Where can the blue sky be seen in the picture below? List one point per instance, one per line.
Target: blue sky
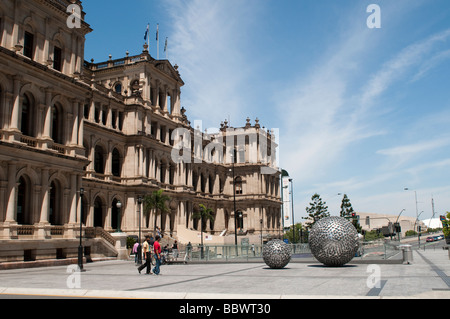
(360, 111)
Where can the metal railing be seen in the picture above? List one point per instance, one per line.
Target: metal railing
(242, 253)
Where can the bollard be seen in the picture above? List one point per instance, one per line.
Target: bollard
(407, 254)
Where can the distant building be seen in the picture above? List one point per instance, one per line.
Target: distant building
(370, 221)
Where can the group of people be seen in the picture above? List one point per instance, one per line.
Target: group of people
(151, 248)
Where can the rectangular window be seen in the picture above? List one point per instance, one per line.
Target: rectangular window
(104, 116)
(86, 111)
(57, 59)
(121, 118)
(28, 45)
(114, 119)
(97, 113)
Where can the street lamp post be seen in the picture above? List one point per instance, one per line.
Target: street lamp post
(417, 211)
(284, 174)
(234, 202)
(396, 223)
(139, 237)
(292, 204)
(80, 247)
(261, 223)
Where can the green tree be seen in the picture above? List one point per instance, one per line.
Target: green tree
(347, 212)
(204, 214)
(373, 235)
(446, 224)
(346, 208)
(300, 234)
(317, 210)
(156, 201)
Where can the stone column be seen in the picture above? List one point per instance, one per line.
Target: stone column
(47, 115)
(45, 196)
(73, 199)
(14, 124)
(176, 106)
(11, 193)
(74, 135)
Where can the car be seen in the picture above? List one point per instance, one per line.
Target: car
(430, 239)
(436, 238)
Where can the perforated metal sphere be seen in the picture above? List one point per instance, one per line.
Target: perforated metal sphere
(333, 241)
(277, 254)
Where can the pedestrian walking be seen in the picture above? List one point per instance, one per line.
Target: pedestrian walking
(187, 256)
(147, 255)
(175, 250)
(135, 252)
(157, 252)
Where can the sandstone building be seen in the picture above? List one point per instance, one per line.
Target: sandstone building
(110, 130)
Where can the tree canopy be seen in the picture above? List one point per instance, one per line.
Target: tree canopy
(317, 210)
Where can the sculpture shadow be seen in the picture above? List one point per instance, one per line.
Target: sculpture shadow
(276, 269)
(325, 266)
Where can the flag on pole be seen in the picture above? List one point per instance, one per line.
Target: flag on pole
(146, 32)
(157, 32)
(157, 41)
(165, 50)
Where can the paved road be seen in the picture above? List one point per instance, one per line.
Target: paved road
(425, 277)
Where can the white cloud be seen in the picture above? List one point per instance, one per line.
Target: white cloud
(207, 44)
(406, 151)
(430, 64)
(396, 68)
(316, 125)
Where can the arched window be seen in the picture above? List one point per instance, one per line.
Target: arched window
(171, 174)
(116, 164)
(98, 213)
(55, 216)
(84, 208)
(162, 172)
(28, 45)
(211, 184)
(240, 220)
(195, 180)
(57, 124)
(118, 88)
(116, 218)
(57, 58)
(99, 163)
(169, 103)
(26, 122)
(238, 185)
(23, 202)
(227, 219)
(203, 183)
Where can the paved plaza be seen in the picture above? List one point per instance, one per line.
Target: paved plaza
(426, 277)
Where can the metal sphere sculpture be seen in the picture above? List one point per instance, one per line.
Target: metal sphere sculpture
(277, 254)
(333, 241)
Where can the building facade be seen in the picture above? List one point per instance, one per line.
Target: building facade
(116, 131)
